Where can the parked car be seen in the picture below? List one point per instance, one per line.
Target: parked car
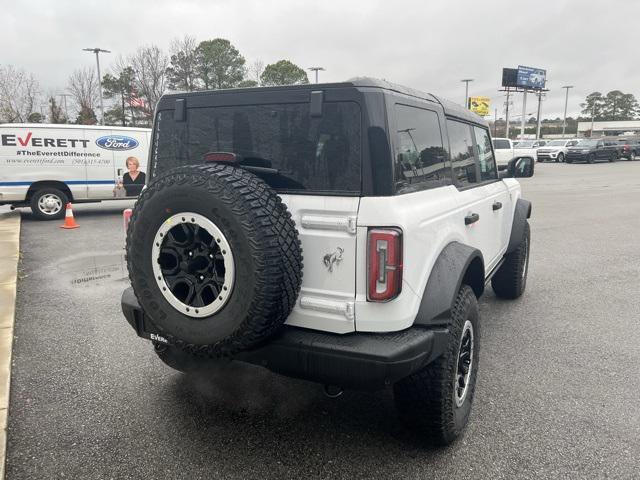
(630, 148)
(615, 145)
(506, 151)
(555, 150)
(358, 175)
(44, 166)
(529, 143)
(590, 151)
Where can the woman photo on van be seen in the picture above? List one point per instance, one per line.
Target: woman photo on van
(134, 179)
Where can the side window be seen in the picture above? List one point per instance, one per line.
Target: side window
(462, 158)
(488, 170)
(420, 156)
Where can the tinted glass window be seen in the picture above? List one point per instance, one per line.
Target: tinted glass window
(462, 157)
(488, 169)
(318, 154)
(420, 156)
(501, 144)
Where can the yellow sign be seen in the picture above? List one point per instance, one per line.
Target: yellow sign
(479, 105)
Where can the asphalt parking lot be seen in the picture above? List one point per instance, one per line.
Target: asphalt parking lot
(556, 398)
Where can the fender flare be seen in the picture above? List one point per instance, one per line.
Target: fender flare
(520, 215)
(456, 264)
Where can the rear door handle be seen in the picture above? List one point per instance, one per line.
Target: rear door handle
(471, 218)
(496, 206)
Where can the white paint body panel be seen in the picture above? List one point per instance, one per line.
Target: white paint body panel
(325, 224)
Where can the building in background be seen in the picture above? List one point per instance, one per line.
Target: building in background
(612, 128)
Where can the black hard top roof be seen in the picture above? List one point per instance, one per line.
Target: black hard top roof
(449, 107)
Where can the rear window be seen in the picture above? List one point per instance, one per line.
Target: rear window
(501, 144)
(312, 154)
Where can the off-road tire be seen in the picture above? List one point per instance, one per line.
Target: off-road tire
(266, 251)
(511, 279)
(426, 400)
(35, 199)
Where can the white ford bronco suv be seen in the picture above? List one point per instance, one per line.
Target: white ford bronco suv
(394, 197)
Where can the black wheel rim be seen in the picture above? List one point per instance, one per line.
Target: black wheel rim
(193, 264)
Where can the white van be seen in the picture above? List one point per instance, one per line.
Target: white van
(44, 166)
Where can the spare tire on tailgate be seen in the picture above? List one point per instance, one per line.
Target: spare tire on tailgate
(214, 258)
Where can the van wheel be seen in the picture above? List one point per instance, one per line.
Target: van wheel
(48, 204)
(436, 401)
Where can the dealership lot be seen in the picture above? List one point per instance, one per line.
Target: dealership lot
(556, 393)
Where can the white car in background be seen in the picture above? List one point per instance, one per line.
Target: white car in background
(505, 151)
(555, 150)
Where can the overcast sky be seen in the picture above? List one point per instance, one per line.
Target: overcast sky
(429, 45)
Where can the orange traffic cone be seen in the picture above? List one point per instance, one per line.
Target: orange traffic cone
(69, 221)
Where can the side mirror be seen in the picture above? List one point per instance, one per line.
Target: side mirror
(519, 167)
(523, 167)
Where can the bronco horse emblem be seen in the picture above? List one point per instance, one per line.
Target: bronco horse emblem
(331, 259)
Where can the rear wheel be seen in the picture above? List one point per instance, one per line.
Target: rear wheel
(48, 204)
(436, 401)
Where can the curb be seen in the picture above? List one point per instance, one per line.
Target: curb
(9, 258)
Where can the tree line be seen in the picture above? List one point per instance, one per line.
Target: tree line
(615, 105)
(136, 82)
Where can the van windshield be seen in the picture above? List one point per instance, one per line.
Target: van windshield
(295, 150)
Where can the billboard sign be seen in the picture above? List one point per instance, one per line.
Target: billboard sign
(479, 105)
(530, 77)
(509, 77)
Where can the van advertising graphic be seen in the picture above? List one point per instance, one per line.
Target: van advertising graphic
(93, 163)
(117, 142)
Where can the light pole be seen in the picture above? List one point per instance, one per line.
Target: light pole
(316, 69)
(538, 116)
(97, 51)
(566, 101)
(466, 91)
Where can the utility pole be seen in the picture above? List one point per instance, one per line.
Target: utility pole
(466, 91)
(593, 114)
(506, 132)
(97, 51)
(316, 69)
(495, 122)
(524, 114)
(538, 116)
(566, 101)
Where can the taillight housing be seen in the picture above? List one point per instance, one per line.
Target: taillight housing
(384, 264)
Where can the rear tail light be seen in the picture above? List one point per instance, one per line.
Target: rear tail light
(384, 274)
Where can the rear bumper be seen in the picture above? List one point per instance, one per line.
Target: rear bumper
(366, 361)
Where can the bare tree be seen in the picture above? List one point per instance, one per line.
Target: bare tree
(150, 67)
(83, 86)
(255, 70)
(182, 70)
(19, 94)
